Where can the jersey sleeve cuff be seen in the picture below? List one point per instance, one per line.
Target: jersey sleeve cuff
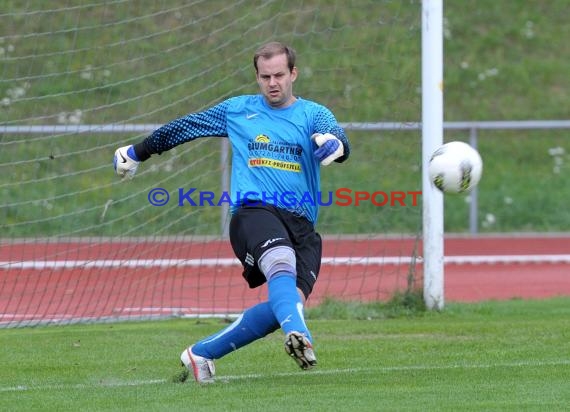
(141, 151)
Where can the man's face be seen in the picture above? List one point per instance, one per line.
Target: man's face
(276, 81)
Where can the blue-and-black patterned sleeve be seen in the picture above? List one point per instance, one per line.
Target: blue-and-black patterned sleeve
(210, 122)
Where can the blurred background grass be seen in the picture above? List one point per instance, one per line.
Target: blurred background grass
(129, 62)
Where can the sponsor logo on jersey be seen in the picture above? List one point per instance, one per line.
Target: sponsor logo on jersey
(263, 152)
(275, 164)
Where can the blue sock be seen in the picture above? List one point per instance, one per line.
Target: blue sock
(286, 303)
(255, 323)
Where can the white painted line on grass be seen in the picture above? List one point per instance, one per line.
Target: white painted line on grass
(115, 383)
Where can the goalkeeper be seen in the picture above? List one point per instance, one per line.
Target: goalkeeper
(278, 143)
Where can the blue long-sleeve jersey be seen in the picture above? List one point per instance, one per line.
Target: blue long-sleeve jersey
(272, 150)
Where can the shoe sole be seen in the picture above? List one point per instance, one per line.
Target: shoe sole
(297, 346)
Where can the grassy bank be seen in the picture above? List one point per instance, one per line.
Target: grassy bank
(126, 64)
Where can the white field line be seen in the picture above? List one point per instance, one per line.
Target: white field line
(114, 383)
(225, 262)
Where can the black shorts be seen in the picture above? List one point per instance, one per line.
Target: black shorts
(254, 227)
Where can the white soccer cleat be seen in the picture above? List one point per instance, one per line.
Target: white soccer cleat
(202, 368)
(300, 349)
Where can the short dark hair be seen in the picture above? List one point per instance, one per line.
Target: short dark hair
(274, 48)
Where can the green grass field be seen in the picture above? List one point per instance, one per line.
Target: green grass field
(493, 356)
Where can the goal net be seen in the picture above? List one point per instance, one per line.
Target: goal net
(80, 79)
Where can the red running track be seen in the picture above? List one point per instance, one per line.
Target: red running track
(73, 281)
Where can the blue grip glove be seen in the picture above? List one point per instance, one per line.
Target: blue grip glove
(329, 148)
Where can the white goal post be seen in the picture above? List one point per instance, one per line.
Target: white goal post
(432, 137)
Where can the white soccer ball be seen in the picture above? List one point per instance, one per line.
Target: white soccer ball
(455, 167)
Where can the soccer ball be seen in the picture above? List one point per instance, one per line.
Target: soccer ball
(455, 167)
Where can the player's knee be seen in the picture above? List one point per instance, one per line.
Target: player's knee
(278, 259)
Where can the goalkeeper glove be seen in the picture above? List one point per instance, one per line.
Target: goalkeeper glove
(329, 148)
(126, 162)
